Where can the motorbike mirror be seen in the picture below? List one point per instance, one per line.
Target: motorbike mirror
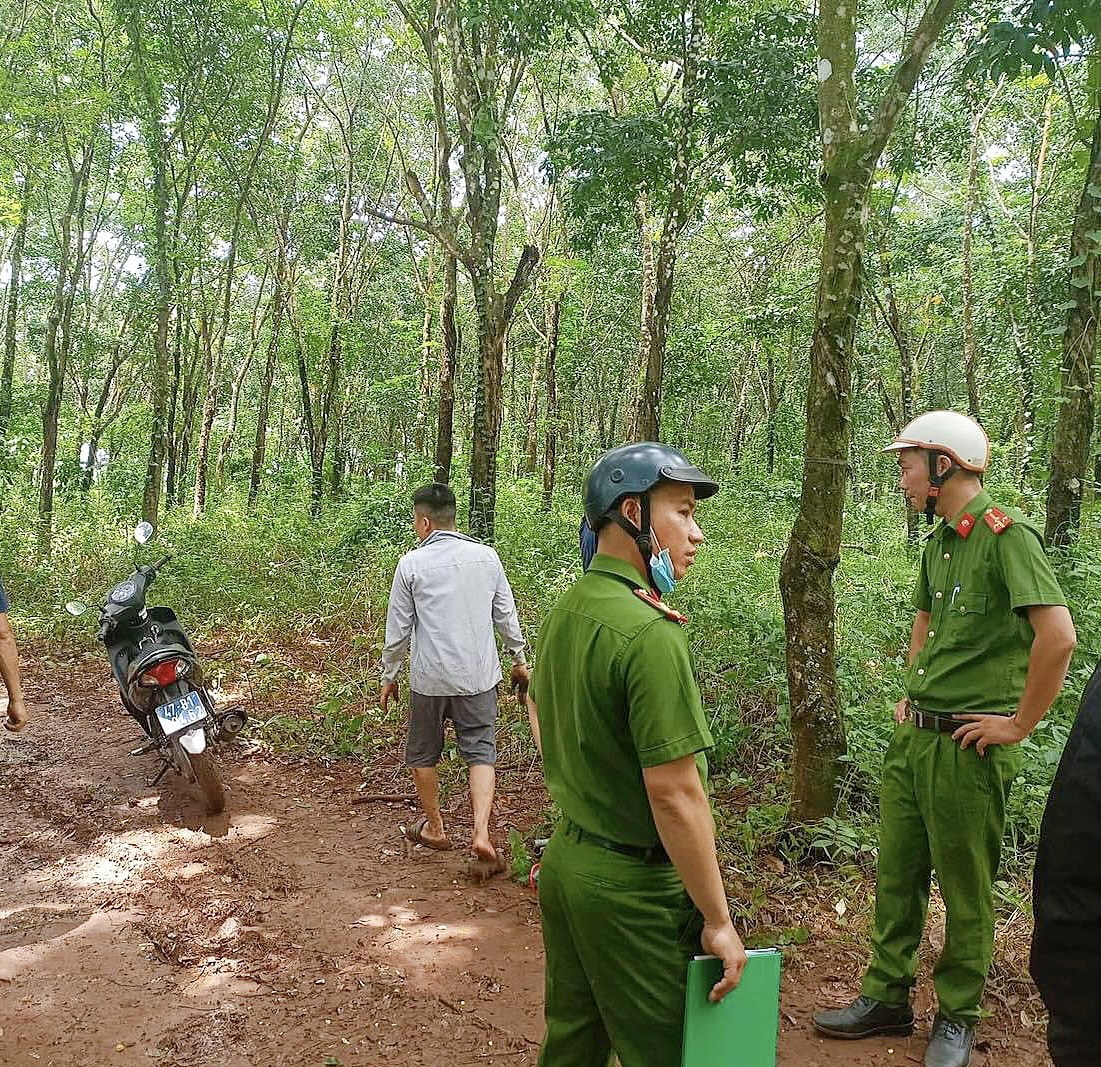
(75, 607)
(143, 533)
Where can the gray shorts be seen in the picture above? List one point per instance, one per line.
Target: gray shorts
(474, 719)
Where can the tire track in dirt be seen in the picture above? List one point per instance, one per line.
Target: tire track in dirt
(297, 928)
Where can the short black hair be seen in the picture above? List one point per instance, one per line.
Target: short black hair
(437, 502)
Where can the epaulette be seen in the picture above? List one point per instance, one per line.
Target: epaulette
(997, 520)
(655, 601)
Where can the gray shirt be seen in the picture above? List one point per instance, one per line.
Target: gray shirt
(448, 595)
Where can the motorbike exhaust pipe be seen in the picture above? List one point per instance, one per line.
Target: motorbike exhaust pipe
(230, 723)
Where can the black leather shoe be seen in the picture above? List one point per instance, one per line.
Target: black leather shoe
(950, 1045)
(865, 1017)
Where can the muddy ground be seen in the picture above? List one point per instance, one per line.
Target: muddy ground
(297, 928)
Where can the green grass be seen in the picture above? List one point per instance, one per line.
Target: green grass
(277, 575)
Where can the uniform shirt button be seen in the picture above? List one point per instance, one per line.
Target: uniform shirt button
(947, 555)
(939, 594)
(932, 633)
(921, 670)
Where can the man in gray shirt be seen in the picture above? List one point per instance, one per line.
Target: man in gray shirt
(448, 596)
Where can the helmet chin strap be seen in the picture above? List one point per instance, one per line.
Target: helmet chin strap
(936, 481)
(640, 535)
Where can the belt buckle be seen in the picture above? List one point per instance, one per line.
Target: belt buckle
(918, 717)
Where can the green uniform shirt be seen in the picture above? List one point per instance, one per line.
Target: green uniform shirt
(616, 692)
(976, 589)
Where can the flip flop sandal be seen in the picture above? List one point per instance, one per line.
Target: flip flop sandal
(414, 833)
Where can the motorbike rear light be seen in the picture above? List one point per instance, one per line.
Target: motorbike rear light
(163, 673)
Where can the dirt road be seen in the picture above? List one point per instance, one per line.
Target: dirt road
(295, 929)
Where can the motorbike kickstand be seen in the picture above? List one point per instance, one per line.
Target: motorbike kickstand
(165, 768)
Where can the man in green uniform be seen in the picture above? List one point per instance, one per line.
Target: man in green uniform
(989, 651)
(630, 887)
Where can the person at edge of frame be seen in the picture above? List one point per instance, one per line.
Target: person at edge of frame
(1066, 893)
(629, 886)
(17, 715)
(989, 650)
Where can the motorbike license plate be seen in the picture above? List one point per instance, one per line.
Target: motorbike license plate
(182, 713)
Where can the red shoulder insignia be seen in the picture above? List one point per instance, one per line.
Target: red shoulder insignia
(997, 520)
(655, 601)
(965, 525)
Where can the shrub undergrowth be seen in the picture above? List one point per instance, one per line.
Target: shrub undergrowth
(278, 573)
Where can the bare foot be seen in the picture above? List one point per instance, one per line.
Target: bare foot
(17, 717)
(482, 849)
(481, 868)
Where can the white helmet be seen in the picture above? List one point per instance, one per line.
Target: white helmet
(956, 435)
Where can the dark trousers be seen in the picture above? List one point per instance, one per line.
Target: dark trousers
(1066, 944)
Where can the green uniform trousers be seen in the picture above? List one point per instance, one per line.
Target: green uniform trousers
(941, 808)
(618, 934)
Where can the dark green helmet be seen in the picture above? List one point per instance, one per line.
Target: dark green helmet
(633, 469)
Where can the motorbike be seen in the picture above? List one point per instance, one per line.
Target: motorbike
(161, 682)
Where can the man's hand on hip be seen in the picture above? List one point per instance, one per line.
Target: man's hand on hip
(902, 710)
(723, 941)
(985, 730)
(518, 681)
(388, 692)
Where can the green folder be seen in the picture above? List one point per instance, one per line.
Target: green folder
(740, 1031)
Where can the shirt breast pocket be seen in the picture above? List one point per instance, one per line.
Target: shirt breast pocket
(968, 608)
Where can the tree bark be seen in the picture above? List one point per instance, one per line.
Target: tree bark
(531, 436)
(7, 371)
(424, 383)
(550, 442)
(970, 356)
(449, 367)
(486, 437)
(267, 374)
(850, 157)
(152, 123)
(1070, 452)
(212, 376)
(636, 429)
(172, 458)
(56, 342)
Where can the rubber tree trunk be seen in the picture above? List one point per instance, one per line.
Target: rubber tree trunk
(970, 351)
(550, 442)
(850, 158)
(56, 342)
(531, 437)
(648, 420)
(635, 430)
(212, 377)
(153, 129)
(267, 376)
(495, 312)
(7, 371)
(1070, 453)
(487, 413)
(449, 367)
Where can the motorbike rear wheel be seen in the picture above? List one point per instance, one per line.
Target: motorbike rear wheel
(210, 781)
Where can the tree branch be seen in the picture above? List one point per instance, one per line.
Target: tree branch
(529, 260)
(897, 94)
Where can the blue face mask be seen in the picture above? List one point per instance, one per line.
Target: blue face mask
(587, 539)
(661, 570)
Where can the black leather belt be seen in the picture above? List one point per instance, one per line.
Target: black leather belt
(654, 854)
(943, 722)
